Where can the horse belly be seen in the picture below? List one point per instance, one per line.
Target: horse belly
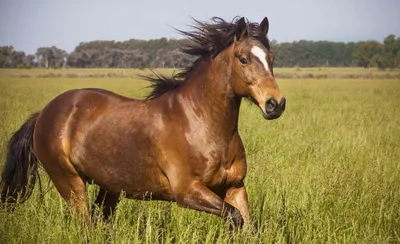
(122, 168)
(137, 180)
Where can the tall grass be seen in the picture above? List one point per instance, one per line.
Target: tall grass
(327, 171)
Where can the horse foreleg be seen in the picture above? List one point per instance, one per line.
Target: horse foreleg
(199, 197)
(107, 202)
(237, 197)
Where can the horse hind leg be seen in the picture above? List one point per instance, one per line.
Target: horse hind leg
(52, 146)
(70, 185)
(107, 202)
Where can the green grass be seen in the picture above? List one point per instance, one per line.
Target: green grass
(327, 171)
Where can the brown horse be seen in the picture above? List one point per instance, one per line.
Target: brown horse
(180, 144)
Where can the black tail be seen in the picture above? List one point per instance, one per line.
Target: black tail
(21, 168)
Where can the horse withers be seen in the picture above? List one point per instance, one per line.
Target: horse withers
(179, 144)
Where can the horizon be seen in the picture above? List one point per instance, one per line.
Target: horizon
(26, 26)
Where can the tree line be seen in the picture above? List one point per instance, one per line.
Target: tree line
(164, 53)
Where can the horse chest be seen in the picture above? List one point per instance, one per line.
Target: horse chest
(226, 167)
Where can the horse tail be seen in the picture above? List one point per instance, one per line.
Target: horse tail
(21, 168)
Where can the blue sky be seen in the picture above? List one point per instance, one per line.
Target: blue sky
(29, 24)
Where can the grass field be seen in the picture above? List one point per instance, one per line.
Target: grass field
(327, 171)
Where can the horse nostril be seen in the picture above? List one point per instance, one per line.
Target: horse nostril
(283, 104)
(270, 105)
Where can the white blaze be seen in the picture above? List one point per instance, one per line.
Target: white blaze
(261, 55)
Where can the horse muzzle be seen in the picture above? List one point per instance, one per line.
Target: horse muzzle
(273, 109)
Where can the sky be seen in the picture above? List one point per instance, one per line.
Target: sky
(29, 24)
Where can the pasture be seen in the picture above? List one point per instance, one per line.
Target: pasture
(327, 171)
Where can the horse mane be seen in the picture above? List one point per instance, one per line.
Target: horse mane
(206, 41)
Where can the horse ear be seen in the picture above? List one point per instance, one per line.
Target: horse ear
(264, 26)
(241, 29)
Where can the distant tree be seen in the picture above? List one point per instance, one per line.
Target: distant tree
(5, 55)
(365, 51)
(391, 47)
(43, 55)
(29, 61)
(348, 54)
(51, 57)
(17, 59)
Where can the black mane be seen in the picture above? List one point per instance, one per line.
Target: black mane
(206, 41)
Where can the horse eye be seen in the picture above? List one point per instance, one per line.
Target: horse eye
(243, 60)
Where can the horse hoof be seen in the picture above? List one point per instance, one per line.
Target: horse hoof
(237, 220)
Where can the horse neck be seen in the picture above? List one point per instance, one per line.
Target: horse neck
(209, 94)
